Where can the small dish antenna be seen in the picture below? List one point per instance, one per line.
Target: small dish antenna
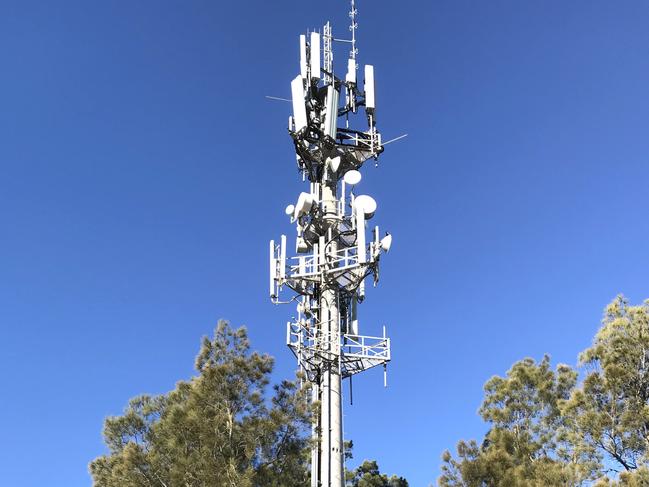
(366, 204)
(386, 242)
(352, 177)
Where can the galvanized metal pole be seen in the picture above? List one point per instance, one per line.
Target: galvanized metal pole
(334, 257)
(331, 415)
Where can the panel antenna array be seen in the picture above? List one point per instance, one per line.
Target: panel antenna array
(334, 256)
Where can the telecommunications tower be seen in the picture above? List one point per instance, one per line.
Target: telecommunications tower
(334, 254)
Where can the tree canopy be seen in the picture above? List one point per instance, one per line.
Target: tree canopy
(215, 429)
(368, 474)
(218, 429)
(547, 429)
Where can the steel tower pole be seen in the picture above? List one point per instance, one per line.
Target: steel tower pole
(334, 256)
(315, 437)
(331, 406)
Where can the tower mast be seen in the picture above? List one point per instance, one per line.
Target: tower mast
(334, 257)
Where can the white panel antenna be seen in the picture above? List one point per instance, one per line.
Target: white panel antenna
(299, 107)
(370, 101)
(282, 259)
(351, 71)
(273, 270)
(354, 317)
(332, 111)
(315, 55)
(303, 60)
(361, 251)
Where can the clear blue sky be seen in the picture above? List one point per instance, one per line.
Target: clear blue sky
(143, 174)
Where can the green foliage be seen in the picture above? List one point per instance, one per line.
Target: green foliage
(547, 431)
(213, 430)
(524, 446)
(368, 475)
(633, 478)
(609, 413)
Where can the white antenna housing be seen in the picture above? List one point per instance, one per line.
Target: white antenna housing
(361, 251)
(273, 270)
(332, 111)
(299, 108)
(303, 205)
(370, 100)
(350, 77)
(303, 60)
(315, 55)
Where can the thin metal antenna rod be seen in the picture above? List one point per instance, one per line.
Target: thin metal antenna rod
(334, 251)
(277, 98)
(354, 25)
